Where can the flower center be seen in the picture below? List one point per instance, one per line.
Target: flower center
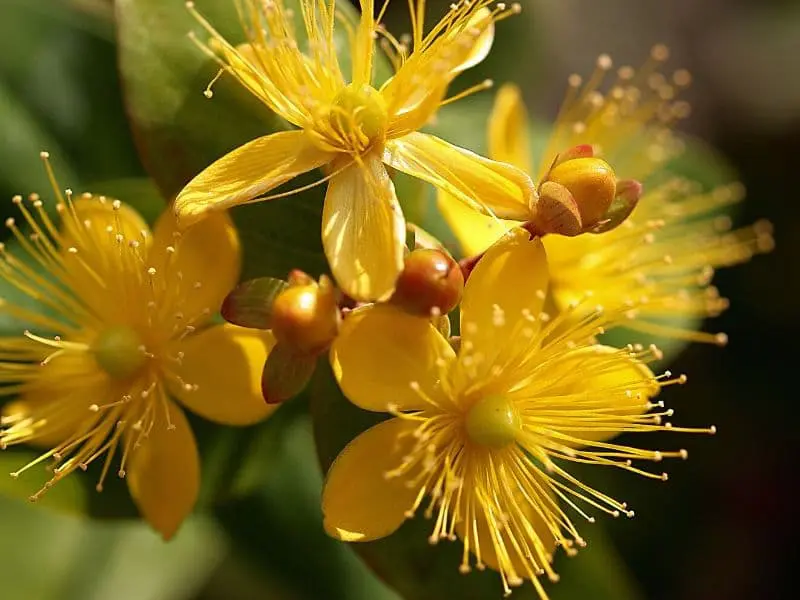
(493, 421)
(359, 112)
(119, 351)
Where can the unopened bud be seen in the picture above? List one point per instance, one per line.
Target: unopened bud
(579, 151)
(629, 191)
(306, 317)
(591, 182)
(431, 283)
(556, 212)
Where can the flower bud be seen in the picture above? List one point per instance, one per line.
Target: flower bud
(431, 283)
(592, 184)
(306, 317)
(629, 191)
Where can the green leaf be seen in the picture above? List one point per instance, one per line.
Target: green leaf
(250, 303)
(279, 527)
(48, 556)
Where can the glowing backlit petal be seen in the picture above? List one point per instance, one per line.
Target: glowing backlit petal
(508, 129)
(164, 473)
(474, 231)
(363, 230)
(219, 377)
(208, 257)
(381, 336)
(486, 185)
(505, 292)
(247, 172)
(359, 503)
(477, 49)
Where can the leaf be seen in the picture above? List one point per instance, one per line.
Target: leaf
(286, 374)
(48, 556)
(279, 526)
(250, 303)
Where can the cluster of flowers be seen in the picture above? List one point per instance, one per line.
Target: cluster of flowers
(483, 424)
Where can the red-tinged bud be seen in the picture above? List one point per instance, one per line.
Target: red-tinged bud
(431, 283)
(629, 191)
(306, 318)
(579, 151)
(592, 184)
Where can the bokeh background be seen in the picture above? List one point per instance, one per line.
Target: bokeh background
(724, 526)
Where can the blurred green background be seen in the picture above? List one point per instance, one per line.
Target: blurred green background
(720, 529)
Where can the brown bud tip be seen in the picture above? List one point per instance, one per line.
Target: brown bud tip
(306, 318)
(592, 183)
(579, 151)
(556, 212)
(431, 283)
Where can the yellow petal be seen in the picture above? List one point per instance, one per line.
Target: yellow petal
(621, 387)
(474, 231)
(363, 231)
(208, 255)
(164, 473)
(469, 55)
(483, 184)
(380, 352)
(508, 129)
(225, 363)
(247, 172)
(94, 230)
(359, 503)
(364, 46)
(509, 283)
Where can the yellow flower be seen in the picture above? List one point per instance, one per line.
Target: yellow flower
(663, 257)
(352, 130)
(482, 436)
(125, 330)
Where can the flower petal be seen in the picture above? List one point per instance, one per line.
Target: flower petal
(363, 231)
(508, 129)
(608, 383)
(247, 172)
(208, 257)
(381, 351)
(485, 185)
(225, 363)
(359, 503)
(468, 55)
(164, 473)
(474, 231)
(508, 284)
(91, 237)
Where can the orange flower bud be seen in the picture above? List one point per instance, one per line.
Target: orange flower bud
(431, 283)
(592, 184)
(306, 317)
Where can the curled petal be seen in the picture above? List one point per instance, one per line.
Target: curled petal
(485, 185)
(247, 172)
